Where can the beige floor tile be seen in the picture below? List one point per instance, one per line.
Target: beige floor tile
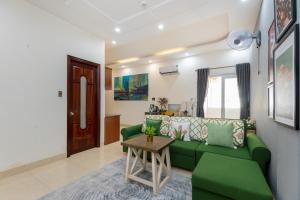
(25, 188)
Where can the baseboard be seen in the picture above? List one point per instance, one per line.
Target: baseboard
(23, 168)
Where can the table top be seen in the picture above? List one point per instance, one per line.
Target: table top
(140, 142)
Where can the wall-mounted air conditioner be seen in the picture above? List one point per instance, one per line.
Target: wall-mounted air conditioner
(168, 70)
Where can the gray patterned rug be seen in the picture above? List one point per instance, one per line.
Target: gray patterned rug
(108, 183)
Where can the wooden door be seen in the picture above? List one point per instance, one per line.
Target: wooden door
(83, 105)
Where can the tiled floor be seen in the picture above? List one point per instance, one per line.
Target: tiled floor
(42, 180)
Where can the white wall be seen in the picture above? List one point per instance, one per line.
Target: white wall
(283, 142)
(177, 88)
(34, 46)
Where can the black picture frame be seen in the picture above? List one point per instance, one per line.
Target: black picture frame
(292, 12)
(294, 123)
(271, 47)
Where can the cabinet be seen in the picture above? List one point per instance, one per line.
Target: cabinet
(112, 129)
(108, 78)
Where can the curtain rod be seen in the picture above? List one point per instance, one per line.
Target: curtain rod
(217, 67)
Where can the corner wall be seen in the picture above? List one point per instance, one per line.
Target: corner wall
(283, 142)
(177, 88)
(34, 46)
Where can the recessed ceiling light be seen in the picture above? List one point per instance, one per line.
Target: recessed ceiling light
(243, 0)
(187, 54)
(169, 51)
(123, 66)
(114, 42)
(160, 26)
(150, 61)
(117, 30)
(128, 60)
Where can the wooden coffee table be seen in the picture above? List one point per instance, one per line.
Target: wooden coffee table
(139, 147)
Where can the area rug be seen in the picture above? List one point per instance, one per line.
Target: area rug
(108, 183)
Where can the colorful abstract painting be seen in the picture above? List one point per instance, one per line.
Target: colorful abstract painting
(131, 87)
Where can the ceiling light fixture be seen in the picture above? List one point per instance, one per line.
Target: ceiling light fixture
(128, 60)
(117, 30)
(160, 26)
(187, 54)
(123, 66)
(114, 42)
(169, 51)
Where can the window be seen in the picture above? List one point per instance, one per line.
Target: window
(222, 99)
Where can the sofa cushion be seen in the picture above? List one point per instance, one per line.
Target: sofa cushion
(231, 177)
(155, 123)
(240, 152)
(220, 135)
(184, 148)
(196, 126)
(238, 129)
(164, 128)
(183, 128)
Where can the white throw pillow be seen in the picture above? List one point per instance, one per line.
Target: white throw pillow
(183, 126)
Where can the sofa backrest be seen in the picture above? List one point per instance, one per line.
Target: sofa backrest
(198, 127)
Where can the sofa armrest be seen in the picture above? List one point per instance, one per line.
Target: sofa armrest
(259, 151)
(130, 131)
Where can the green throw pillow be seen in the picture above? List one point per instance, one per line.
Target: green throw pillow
(154, 123)
(220, 134)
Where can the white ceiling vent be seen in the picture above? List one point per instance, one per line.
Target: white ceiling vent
(168, 70)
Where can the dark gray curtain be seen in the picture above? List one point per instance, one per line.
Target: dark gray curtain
(243, 79)
(202, 77)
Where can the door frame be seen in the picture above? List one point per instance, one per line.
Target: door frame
(69, 98)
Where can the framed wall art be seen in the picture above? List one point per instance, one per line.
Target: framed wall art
(286, 79)
(285, 16)
(271, 46)
(131, 87)
(271, 101)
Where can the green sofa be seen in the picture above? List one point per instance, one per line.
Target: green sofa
(187, 154)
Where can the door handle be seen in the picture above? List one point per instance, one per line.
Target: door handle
(71, 114)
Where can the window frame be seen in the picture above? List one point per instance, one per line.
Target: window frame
(223, 78)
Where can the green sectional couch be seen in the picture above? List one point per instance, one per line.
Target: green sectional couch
(187, 154)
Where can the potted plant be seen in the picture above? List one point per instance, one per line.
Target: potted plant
(251, 126)
(150, 132)
(163, 103)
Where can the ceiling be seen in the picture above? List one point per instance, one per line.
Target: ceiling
(189, 24)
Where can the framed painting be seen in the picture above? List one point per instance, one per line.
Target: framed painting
(285, 16)
(131, 87)
(271, 101)
(286, 79)
(271, 46)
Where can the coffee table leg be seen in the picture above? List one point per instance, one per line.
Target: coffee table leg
(154, 172)
(144, 159)
(129, 154)
(168, 162)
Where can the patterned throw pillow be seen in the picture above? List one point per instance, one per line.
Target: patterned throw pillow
(238, 129)
(183, 127)
(164, 127)
(196, 126)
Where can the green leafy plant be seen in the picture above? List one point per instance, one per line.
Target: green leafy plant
(178, 134)
(250, 124)
(150, 131)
